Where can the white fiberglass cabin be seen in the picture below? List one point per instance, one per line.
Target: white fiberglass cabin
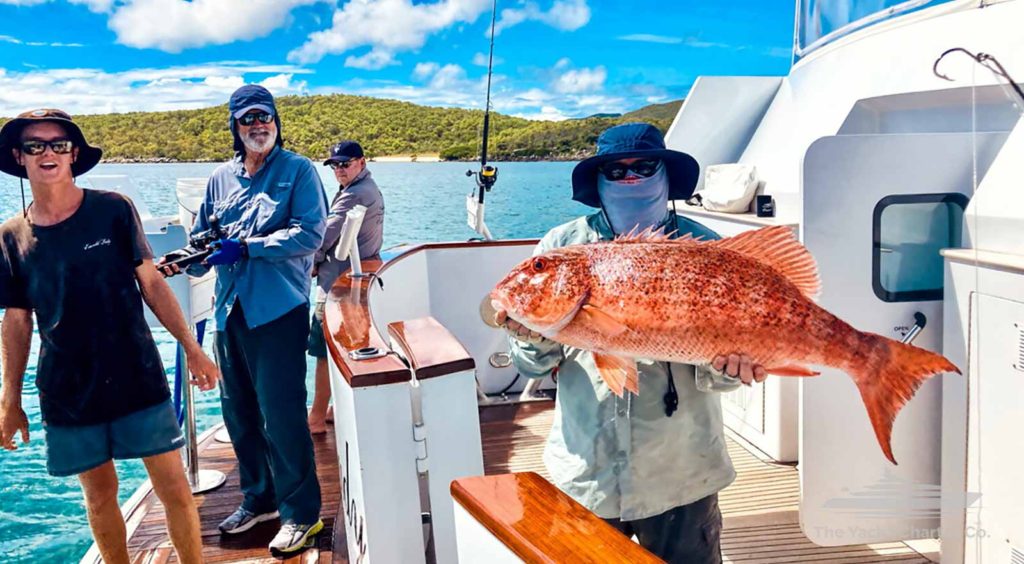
(907, 190)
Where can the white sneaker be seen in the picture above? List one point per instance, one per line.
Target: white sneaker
(293, 537)
(242, 520)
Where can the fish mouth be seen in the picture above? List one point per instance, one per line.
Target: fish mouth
(489, 312)
(491, 309)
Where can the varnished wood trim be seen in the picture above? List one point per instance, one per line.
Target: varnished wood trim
(430, 348)
(539, 523)
(348, 324)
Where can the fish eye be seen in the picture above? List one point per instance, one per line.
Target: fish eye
(539, 264)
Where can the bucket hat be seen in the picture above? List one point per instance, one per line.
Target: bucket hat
(10, 138)
(630, 141)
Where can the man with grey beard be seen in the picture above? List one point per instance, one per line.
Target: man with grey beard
(271, 208)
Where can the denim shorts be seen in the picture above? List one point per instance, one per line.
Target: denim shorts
(316, 345)
(147, 432)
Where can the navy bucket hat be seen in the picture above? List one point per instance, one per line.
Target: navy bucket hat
(10, 138)
(634, 141)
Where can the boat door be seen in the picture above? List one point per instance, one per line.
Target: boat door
(877, 209)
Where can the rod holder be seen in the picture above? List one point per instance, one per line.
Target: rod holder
(199, 481)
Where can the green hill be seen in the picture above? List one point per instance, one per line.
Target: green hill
(384, 127)
(656, 113)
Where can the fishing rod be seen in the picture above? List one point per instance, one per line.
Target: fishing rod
(488, 174)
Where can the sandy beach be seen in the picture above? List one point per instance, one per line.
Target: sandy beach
(424, 158)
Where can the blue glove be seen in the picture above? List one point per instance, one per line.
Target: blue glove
(227, 251)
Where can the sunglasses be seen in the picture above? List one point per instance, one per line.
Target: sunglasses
(344, 165)
(59, 146)
(249, 119)
(617, 170)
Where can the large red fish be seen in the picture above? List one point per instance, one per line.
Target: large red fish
(649, 297)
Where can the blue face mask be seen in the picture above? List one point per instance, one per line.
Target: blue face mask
(635, 202)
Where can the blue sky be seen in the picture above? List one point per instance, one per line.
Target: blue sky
(556, 59)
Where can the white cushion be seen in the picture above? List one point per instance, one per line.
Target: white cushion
(729, 188)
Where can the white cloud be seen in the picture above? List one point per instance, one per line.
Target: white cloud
(389, 26)
(279, 83)
(425, 70)
(449, 86)
(98, 6)
(576, 81)
(16, 41)
(393, 26)
(376, 59)
(480, 60)
(566, 15)
(224, 82)
(650, 38)
(91, 91)
(449, 76)
(546, 113)
(175, 25)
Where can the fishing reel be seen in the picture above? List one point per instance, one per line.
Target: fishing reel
(486, 177)
(199, 246)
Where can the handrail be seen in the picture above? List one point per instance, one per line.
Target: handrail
(539, 523)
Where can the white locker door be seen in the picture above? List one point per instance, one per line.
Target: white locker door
(850, 493)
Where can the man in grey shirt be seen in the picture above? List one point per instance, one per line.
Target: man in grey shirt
(355, 188)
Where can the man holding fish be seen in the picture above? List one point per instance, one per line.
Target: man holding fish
(651, 464)
(647, 313)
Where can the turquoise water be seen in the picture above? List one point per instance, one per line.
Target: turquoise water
(43, 518)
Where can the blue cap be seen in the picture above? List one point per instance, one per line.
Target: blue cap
(251, 97)
(344, 151)
(634, 140)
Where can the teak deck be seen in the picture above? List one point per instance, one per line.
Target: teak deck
(760, 508)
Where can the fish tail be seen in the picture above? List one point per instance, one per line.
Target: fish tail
(887, 373)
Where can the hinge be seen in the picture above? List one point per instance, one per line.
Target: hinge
(419, 436)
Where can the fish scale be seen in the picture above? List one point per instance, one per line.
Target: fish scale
(647, 296)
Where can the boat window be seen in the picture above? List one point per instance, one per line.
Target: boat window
(909, 231)
(820, 22)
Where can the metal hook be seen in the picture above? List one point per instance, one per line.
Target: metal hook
(985, 60)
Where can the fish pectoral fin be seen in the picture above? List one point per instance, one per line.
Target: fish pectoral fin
(602, 321)
(791, 370)
(618, 373)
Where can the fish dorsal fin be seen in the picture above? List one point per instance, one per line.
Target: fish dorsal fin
(652, 235)
(778, 248)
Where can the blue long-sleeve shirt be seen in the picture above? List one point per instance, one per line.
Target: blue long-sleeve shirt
(281, 212)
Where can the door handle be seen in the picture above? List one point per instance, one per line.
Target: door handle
(919, 322)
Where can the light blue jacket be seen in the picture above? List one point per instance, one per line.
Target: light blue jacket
(281, 212)
(623, 457)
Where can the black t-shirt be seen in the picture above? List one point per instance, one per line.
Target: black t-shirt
(98, 360)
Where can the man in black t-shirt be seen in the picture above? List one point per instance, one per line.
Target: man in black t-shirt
(80, 261)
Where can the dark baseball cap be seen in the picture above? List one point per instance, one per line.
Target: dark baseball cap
(343, 152)
(251, 97)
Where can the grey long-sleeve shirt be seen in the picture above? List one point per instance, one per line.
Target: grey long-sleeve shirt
(363, 191)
